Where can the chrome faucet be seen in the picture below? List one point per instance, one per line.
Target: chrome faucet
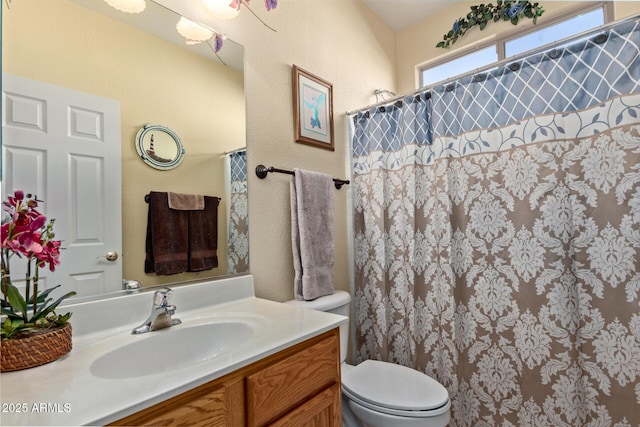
(161, 313)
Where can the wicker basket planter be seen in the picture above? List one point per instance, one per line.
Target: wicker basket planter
(35, 349)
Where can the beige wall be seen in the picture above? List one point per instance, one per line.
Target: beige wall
(58, 42)
(342, 42)
(346, 44)
(429, 32)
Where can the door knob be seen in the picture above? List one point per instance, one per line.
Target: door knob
(111, 256)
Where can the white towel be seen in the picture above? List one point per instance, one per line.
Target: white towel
(312, 235)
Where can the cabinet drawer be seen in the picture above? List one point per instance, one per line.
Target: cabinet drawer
(322, 410)
(211, 405)
(281, 386)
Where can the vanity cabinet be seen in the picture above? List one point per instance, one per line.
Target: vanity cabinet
(298, 386)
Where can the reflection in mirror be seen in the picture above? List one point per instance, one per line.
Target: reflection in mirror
(237, 215)
(141, 65)
(159, 147)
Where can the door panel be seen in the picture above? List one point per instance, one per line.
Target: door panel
(64, 146)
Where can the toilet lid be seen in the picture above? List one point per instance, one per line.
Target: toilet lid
(395, 387)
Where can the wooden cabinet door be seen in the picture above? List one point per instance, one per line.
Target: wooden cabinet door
(284, 385)
(211, 405)
(324, 410)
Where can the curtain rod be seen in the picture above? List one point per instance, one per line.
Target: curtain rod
(262, 171)
(499, 64)
(237, 150)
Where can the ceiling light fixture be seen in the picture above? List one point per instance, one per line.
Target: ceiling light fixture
(222, 9)
(129, 6)
(192, 32)
(229, 9)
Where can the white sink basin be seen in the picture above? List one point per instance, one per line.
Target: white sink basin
(172, 348)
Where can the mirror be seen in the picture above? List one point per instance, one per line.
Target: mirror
(141, 62)
(159, 147)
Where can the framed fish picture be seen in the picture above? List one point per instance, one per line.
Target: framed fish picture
(313, 109)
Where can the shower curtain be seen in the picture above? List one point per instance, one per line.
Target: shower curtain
(238, 223)
(497, 236)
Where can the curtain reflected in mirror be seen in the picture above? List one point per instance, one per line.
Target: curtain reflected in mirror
(237, 218)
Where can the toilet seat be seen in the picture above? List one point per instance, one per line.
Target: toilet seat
(395, 390)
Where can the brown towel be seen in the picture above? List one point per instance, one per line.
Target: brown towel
(186, 202)
(203, 236)
(167, 243)
(181, 240)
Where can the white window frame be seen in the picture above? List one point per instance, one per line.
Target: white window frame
(502, 38)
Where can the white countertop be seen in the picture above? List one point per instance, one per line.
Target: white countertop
(67, 393)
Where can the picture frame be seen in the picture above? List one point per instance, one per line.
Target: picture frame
(313, 109)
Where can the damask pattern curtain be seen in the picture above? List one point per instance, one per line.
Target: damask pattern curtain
(238, 232)
(497, 237)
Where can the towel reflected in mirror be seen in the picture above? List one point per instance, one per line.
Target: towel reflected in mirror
(181, 239)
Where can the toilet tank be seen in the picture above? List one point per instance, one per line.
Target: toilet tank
(336, 303)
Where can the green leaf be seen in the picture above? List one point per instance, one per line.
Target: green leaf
(10, 313)
(16, 301)
(43, 295)
(64, 319)
(12, 327)
(37, 313)
(482, 14)
(53, 306)
(18, 324)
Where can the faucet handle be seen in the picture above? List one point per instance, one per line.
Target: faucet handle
(161, 297)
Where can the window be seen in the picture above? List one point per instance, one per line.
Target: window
(551, 33)
(479, 58)
(516, 44)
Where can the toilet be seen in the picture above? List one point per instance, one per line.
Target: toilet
(382, 394)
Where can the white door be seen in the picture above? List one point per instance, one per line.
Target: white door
(64, 146)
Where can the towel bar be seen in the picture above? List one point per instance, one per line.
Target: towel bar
(262, 171)
(147, 198)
